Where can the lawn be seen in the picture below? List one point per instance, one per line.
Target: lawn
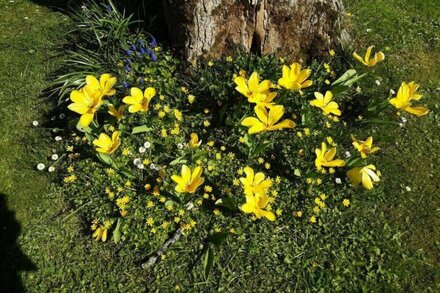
(50, 251)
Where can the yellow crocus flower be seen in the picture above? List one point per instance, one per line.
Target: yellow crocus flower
(326, 104)
(104, 85)
(256, 204)
(294, 78)
(188, 181)
(255, 91)
(324, 158)
(405, 94)
(413, 87)
(365, 148)
(117, 113)
(139, 101)
(85, 102)
(106, 144)
(254, 183)
(266, 121)
(367, 61)
(194, 140)
(364, 175)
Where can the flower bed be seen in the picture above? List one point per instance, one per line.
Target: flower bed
(154, 152)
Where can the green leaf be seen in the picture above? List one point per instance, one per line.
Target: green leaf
(199, 154)
(83, 129)
(117, 231)
(260, 148)
(89, 137)
(352, 162)
(378, 121)
(218, 238)
(127, 172)
(178, 161)
(349, 78)
(227, 202)
(344, 77)
(141, 129)
(208, 262)
(104, 158)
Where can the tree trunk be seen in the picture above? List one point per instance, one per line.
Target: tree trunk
(289, 28)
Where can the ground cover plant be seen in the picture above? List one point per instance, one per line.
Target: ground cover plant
(358, 249)
(155, 154)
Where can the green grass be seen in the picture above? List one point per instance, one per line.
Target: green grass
(409, 33)
(403, 224)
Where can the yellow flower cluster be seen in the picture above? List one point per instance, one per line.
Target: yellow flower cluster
(267, 112)
(88, 99)
(255, 189)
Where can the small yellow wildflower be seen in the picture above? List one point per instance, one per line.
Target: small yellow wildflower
(346, 202)
(298, 214)
(178, 115)
(191, 99)
(70, 179)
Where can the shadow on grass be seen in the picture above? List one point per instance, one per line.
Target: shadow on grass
(12, 259)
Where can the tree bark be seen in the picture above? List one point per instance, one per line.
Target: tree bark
(289, 28)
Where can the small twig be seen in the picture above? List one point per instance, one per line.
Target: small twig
(153, 259)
